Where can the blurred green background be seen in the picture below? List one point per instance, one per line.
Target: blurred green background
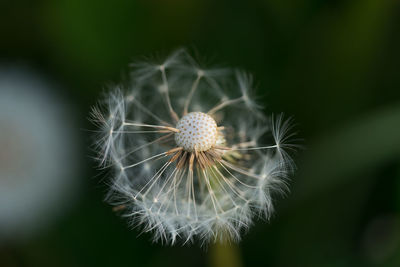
(332, 65)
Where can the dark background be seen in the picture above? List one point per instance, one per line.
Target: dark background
(332, 65)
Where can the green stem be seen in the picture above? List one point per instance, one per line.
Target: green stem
(224, 254)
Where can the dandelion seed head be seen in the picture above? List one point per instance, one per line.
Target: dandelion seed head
(197, 132)
(188, 153)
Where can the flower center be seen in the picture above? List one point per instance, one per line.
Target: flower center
(197, 132)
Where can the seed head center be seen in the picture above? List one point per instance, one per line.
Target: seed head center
(197, 132)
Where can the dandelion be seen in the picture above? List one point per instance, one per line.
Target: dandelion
(185, 151)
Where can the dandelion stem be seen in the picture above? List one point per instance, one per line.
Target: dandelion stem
(224, 254)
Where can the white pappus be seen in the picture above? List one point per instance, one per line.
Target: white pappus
(184, 145)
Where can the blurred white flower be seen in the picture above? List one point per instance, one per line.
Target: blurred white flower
(36, 142)
(183, 142)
